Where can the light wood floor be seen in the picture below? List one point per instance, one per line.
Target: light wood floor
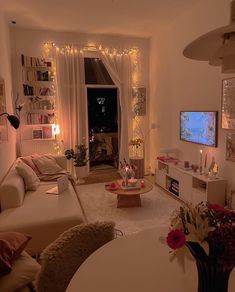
(102, 175)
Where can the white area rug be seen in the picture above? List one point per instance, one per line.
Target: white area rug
(100, 204)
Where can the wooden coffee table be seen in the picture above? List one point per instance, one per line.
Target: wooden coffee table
(130, 198)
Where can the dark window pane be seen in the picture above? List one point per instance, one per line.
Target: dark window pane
(96, 73)
(102, 110)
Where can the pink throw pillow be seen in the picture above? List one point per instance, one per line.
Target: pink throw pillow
(11, 246)
(28, 160)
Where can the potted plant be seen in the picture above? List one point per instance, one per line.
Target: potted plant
(80, 159)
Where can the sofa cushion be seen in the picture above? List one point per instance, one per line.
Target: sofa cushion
(43, 216)
(11, 246)
(29, 176)
(28, 160)
(61, 161)
(12, 191)
(46, 164)
(23, 272)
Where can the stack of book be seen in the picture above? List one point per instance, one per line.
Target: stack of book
(174, 187)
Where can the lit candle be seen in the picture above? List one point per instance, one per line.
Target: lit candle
(205, 161)
(200, 167)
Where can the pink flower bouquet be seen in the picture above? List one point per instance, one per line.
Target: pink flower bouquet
(194, 227)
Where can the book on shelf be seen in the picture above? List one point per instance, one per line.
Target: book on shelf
(40, 104)
(37, 90)
(45, 91)
(27, 61)
(174, 191)
(32, 76)
(36, 118)
(28, 90)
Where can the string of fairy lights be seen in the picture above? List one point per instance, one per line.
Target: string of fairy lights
(133, 52)
(80, 49)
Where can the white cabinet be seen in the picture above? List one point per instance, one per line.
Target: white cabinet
(185, 186)
(189, 186)
(198, 196)
(161, 178)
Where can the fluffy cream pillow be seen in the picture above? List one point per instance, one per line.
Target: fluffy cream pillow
(29, 176)
(46, 164)
(24, 271)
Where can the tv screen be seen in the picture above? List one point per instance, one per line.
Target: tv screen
(199, 127)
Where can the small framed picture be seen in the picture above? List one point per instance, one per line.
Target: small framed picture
(47, 132)
(139, 95)
(230, 147)
(228, 103)
(37, 133)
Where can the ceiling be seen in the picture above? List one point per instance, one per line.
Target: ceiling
(119, 17)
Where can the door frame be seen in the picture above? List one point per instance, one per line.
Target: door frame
(118, 112)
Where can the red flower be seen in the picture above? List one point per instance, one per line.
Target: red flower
(218, 208)
(176, 239)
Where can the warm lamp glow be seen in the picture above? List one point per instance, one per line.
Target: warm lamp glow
(55, 129)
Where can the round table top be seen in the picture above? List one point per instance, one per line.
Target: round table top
(147, 187)
(136, 263)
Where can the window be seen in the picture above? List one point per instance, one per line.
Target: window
(96, 73)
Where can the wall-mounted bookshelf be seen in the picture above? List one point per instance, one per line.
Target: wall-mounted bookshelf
(38, 93)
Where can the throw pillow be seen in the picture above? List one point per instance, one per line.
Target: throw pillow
(47, 164)
(29, 176)
(23, 272)
(28, 160)
(11, 246)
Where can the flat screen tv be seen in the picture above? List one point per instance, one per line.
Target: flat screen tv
(199, 127)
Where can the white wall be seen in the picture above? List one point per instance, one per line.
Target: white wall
(178, 83)
(7, 149)
(30, 42)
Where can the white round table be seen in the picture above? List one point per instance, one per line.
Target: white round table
(136, 263)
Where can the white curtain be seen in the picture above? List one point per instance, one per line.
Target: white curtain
(120, 70)
(71, 98)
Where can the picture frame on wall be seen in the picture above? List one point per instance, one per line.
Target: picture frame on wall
(228, 104)
(37, 133)
(139, 95)
(47, 132)
(230, 147)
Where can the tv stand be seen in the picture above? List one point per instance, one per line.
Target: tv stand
(189, 186)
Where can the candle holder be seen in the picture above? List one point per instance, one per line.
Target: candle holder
(127, 171)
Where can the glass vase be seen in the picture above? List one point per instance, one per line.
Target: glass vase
(212, 277)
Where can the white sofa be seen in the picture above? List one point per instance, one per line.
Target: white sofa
(43, 216)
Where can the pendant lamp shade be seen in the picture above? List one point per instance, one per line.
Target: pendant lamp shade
(217, 47)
